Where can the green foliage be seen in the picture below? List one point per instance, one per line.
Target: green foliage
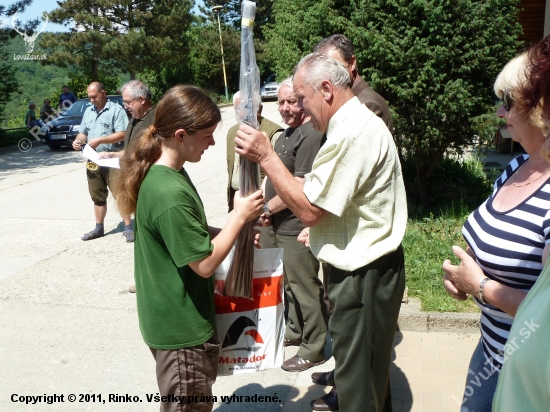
(79, 81)
(297, 28)
(460, 187)
(435, 61)
(9, 84)
(113, 36)
(231, 13)
(427, 243)
(12, 137)
(35, 83)
(205, 61)
(457, 184)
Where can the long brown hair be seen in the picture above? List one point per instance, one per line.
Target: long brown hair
(182, 107)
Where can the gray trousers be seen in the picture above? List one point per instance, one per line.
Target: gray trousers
(365, 305)
(307, 316)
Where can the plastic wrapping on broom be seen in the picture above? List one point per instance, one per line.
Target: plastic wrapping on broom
(239, 278)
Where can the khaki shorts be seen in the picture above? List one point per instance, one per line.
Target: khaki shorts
(185, 376)
(99, 182)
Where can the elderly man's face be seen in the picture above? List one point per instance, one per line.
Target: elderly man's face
(292, 114)
(134, 106)
(310, 100)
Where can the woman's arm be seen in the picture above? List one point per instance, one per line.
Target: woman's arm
(467, 276)
(246, 209)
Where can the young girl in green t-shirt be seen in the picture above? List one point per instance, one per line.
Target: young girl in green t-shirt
(175, 251)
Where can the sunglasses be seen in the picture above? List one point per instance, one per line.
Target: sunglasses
(507, 101)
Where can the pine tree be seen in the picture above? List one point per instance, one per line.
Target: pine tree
(117, 35)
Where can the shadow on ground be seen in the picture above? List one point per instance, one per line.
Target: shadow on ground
(402, 397)
(237, 401)
(40, 156)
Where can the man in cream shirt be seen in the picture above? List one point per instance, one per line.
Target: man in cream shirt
(354, 202)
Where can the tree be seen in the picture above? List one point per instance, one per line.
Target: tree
(289, 39)
(205, 64)
(435, 61)
(231, 13)
(9, 85)
(202, 66)
(117, 35)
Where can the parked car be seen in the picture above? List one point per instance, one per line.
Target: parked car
(62, 130)
(269, 88)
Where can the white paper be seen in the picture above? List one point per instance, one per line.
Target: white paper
(92, 155)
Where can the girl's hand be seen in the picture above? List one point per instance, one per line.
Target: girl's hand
(303, 237)
(249, 207)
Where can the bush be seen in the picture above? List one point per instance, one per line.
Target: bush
(461, 186)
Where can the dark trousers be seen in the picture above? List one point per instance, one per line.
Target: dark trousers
(365, 305)
(267, 237)
(307, 316)
(187, 372)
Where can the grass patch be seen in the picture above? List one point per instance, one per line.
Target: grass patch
(11, 137)
(459, 188)
(427, 243)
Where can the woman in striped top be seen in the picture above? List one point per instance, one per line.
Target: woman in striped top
(508, 238)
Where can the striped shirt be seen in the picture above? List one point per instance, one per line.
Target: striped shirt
(508, 247)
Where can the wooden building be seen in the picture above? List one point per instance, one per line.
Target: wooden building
(534, 17)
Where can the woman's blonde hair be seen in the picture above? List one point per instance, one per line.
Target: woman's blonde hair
(512, 80)
(182, 107)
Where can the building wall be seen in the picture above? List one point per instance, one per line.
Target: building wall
(532, 17)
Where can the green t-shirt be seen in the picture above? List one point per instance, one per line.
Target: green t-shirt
(175, 305)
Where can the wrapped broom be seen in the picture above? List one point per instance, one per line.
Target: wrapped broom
(239, 278)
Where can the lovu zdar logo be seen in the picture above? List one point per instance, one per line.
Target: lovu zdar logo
(242, 326)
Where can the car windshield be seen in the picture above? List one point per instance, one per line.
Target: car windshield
(77, 108)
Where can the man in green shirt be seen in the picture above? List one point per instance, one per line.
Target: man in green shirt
(273, 131)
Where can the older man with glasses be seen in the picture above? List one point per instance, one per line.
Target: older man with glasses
(307, 317)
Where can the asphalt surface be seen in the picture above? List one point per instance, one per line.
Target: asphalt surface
(68, 324)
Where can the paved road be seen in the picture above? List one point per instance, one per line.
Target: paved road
(67, 322)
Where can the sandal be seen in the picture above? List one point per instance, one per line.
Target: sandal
(129, 236)
(92, 235)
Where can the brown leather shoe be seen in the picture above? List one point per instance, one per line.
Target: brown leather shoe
(328, 402)
(289, 342)
(298, 364)
(323, 378)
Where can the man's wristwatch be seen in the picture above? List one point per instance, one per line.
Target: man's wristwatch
(267, 213)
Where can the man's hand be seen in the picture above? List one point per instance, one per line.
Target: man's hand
(94, 142)
(264, 221)
(253, 144)
(303, 237)
(257, 236)
(77, 144)
(110, 155)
